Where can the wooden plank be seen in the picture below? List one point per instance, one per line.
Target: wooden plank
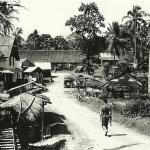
(18, 87)
(7, 141)
(26, 87)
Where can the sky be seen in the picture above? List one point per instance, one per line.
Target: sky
(49, 16)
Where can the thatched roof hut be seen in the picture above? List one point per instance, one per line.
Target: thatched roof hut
(26, 105)
(26, 110)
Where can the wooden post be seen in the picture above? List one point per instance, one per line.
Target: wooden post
(42, 132)
(13, 132)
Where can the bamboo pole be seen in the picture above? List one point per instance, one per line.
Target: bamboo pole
(42, 132)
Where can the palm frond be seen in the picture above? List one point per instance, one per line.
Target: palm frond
(126, 17)
(130, 13)
(2, 16)
(141, 20)
(137, 7)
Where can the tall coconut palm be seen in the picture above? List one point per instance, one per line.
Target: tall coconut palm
(117, 42)
(134, 22)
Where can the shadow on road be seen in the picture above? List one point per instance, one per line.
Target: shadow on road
(118, 134)
(123, 146)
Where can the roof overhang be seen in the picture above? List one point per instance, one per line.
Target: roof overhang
(108, 56)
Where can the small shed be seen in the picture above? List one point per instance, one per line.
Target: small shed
(46, 68)
(124, 84)
(34, 73)
(30, 113)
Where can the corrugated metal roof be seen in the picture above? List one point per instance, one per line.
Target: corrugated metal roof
(43, 65)
(125, 79)
(54, 56)
(31, 69)
(108, 56)
(7, 71)
(6, 43)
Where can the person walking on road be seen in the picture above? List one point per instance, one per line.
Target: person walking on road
(106, 115)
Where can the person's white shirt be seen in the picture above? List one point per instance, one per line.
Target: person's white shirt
(29, 78)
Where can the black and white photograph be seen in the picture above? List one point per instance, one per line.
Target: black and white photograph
(74, 75)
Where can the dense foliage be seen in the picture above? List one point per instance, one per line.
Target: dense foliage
(35, 41)
(128, 40)
(132, 107)
(88, 25)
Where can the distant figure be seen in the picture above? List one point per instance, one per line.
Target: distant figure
(30, 78)
(55, 69)
(105, 115)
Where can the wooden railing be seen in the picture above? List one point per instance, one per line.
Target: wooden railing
(21, 89)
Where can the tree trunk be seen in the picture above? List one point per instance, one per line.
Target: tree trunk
(135, 51)
(141, 51)
(114, 58)
(88, 64)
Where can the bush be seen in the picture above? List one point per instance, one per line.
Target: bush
(132, 108)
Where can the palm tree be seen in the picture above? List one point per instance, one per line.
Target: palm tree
(7, 15)
(134, 22)
(117, 42)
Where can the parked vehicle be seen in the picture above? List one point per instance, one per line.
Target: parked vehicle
(69, 82)
(80, 82)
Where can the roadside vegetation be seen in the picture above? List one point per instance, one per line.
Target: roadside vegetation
(129, 41)
(125, 112)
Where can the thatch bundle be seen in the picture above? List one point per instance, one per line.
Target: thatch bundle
(26, 105)
(4, 97)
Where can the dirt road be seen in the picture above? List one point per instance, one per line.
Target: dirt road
(85, 125)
